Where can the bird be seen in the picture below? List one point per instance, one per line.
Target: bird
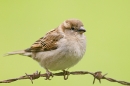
(59, 49)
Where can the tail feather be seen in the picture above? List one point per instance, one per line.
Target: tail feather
(20, 52)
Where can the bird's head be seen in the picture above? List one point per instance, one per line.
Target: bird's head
(72, 27)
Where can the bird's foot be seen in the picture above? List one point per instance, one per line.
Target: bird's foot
(48, 74)
(66, 74)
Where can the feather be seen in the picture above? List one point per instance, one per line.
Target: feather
(19, 52)
(15, 52)
(49, 42)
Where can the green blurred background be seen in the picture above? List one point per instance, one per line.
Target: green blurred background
(107, 22)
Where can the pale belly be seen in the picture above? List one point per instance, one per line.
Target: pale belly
(64, 57)
(57, 61)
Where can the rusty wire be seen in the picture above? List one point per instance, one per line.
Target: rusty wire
(97, 75)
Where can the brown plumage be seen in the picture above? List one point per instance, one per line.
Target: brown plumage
(49, 42)
(60, 48)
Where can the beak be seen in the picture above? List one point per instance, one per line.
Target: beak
(81, 29)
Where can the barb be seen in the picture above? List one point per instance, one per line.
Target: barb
(97, 75)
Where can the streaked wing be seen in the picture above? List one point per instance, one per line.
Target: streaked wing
(46, 43)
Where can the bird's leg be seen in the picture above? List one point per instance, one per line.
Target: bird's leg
(48, 74)
(66, 74)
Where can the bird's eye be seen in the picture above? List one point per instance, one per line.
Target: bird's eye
(72, 28)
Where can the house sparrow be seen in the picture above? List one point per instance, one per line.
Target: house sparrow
(60, 49)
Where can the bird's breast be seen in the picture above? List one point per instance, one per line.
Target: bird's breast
(68, 53)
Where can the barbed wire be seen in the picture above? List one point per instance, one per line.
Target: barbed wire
(97, 75)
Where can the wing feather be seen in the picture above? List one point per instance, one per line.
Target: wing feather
(46, 43)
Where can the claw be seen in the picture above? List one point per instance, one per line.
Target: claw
(48, 74)
(66, 74)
